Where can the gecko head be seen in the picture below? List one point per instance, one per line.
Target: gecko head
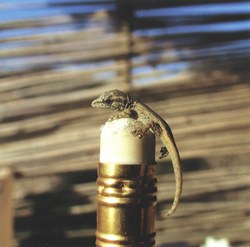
(114, 100)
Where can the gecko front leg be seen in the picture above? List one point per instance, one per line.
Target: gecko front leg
(141, 129)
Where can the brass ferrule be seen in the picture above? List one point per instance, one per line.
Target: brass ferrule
(126, 205)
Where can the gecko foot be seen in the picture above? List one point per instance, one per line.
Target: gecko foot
(138, 132)
(141, 129)
(164, 152)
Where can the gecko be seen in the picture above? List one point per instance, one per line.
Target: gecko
(128, 106)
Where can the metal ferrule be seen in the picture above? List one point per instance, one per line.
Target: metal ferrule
(126, 205)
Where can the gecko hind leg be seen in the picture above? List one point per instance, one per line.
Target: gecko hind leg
(164, 152)
(158, 131)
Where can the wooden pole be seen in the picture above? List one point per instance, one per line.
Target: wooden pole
(6, 215)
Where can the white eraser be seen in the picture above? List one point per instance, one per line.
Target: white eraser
(118, 145)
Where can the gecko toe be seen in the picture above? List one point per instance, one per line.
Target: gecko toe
(137, 133)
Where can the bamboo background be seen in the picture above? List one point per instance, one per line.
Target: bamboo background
(188, 61)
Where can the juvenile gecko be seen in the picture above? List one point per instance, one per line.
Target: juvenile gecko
(128, 106)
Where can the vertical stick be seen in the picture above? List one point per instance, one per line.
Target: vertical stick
(126, 187)
(125, 15)
(6, 184)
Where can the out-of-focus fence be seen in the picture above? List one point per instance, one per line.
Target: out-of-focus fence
(188, 61)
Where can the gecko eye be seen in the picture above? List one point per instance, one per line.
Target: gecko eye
(108, 101)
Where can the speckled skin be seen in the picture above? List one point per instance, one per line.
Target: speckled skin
(128, 106)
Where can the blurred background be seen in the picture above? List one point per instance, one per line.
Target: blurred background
(188, 60)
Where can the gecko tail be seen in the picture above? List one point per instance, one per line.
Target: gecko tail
(171, 211)
(178, 192)
(176, 199)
